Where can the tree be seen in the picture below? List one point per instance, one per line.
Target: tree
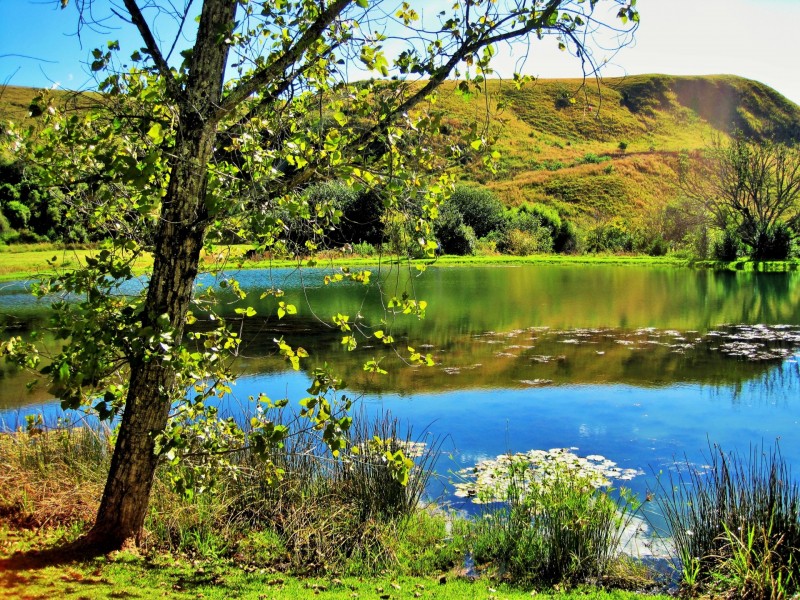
(751, 188)
(230, 137)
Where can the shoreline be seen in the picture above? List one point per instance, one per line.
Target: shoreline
(29, 263)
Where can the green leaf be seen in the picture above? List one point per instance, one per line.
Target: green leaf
(155, 133)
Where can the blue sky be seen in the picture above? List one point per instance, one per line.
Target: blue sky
(757, 39)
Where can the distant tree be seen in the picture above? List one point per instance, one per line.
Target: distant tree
(452, 234)
(480, 208)
(751, 188)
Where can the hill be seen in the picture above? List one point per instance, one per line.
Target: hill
(596, 151)
(600, 150)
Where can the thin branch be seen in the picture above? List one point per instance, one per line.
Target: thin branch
(278, 68)
(152, 47)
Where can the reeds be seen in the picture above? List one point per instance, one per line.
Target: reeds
(566, 530)
(53, 477)
(300, 509)
(736, 524)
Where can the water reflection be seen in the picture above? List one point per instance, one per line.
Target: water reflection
(636, 364)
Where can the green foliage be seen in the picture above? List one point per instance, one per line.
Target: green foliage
(431, 541)
(364, 249)
(18, 214)
(525, 232)
(479, 207)
(611, 236)
(728, 247)
(531, 241)
(565, 238)
(776, 244)
(453, 235)
(752, 188)
(590, 158)
(736, 524)
(563, 530)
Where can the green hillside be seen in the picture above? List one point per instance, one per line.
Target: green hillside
(596, 152)
(601, 150)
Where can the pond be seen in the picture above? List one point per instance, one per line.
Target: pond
(643, 365)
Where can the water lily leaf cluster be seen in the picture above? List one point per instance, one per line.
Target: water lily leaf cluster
(494, 480)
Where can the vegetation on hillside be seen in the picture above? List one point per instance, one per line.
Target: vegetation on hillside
(603, 157)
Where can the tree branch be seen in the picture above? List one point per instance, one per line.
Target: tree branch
(152, 47)
(277, 68)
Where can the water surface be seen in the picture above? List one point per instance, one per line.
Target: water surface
(644, 365)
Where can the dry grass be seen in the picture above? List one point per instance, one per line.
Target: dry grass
(15, 101)
(47, 477)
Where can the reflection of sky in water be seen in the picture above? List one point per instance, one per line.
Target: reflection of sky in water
(637, 427)
(640, 428)
(643, 399)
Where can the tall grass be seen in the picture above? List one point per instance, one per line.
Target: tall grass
(563, 530)
(52, 477)
(333, 511)
(736, 524)
(321, 514)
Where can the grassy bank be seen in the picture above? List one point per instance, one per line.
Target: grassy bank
(29, 260)
(130, 575)
(345, 529)
(337, 529)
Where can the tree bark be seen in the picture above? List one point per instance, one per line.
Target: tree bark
(182, 226)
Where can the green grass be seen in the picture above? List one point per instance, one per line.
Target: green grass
(21, 263)
(129, 575)
(35, 260)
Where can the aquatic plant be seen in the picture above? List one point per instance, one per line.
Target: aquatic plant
(493, 480)
(735, 524)
(558, 521)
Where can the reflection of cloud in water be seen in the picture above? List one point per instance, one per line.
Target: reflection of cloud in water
(588, 431)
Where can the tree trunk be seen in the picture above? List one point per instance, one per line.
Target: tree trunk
(152, 382)
(179, 240)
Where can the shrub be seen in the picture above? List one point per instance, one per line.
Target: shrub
(612, 236)
(560, 523)
(453, 235)
(776, 244)
(335, 215)
(525, 243)
(361, 219)
(564, 99)
(728, 247)
(565, 238)
(590, 158)
(364, 249)
(18, 214)
(479, 208)
(399, 235)
(5, 226)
